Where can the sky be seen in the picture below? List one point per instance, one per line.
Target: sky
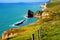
(15, 1)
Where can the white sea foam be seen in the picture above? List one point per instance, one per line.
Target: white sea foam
(25, 16)
(17, 22)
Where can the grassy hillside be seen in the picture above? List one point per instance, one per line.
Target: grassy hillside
(51, 29)
(52, 4)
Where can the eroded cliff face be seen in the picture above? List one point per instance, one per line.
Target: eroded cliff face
(9, 33)
(12, 32)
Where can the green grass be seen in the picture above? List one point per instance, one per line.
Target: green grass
(51, 31)
(52, 4)
(26, 36)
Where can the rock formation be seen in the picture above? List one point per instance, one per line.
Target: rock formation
(38, 14)
(45, 15)
(30, 14)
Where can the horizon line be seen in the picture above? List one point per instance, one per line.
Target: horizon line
(21, 2)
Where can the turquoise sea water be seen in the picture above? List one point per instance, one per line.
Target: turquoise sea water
(15, 12)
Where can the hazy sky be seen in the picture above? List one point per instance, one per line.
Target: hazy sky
(14, 1)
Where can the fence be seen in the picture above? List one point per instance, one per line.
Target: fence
(39, 34)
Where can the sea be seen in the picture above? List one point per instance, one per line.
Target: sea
(11, 13)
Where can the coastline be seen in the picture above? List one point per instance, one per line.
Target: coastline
(5, 33)
(23, 27)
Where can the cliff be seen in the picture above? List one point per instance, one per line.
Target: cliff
(9, 33)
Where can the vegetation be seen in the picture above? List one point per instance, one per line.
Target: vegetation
(51, 28)
(55, 0)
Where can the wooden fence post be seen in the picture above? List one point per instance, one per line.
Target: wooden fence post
(38, 34)
(32, 36)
